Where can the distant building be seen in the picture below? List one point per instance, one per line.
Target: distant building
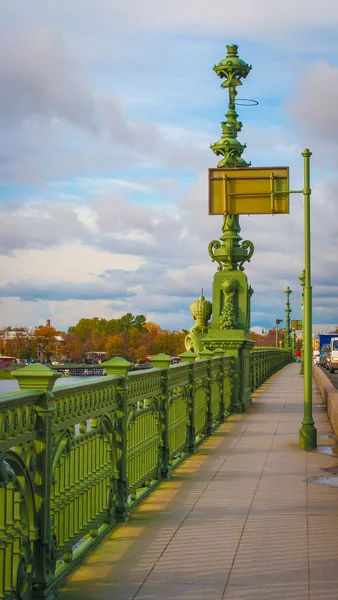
(94, 356)
(6, 361)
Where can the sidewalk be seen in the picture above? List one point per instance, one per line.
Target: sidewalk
(237, 521)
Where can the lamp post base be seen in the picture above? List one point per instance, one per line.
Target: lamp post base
(308, 437)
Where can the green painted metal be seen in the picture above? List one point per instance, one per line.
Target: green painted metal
(74, 460)
(277, 323)
(232, 69)
(308, 431)
(230, 254)
(265, 362)
(231, 297)
(288, 311)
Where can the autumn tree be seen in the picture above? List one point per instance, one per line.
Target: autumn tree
(152, 328)
(114, 346)
(268, 339)
(19, 346)
(46, 345)
(72, 349)
(169, 342)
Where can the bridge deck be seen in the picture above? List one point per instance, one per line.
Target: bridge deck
(237, 521)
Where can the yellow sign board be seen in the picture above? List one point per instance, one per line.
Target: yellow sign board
(249, 191)
(296, 325)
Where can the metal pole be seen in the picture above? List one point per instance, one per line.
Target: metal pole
(287, 338)
(277, 323)
(307, 432)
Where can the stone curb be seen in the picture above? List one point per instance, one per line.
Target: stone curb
(329, 396)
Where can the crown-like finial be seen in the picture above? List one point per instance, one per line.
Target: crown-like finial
(201, 311)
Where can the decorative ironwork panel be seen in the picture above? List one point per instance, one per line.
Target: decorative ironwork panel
(265, 362)
(201, 398)
(144, 385)
(73, 403)
(83, 494)
(178, 418)
(17, 527)
(17, 418)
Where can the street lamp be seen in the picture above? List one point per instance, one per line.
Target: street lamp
(308, 431)
(287, 338)
(277, 323)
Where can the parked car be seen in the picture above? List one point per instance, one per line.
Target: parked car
(324, 356)
(316, 356)
(333, 355)
(326, 359)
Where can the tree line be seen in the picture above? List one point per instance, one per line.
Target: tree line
(132, 337)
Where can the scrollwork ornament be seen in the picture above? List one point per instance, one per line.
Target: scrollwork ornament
(245, 245)
(215, 245)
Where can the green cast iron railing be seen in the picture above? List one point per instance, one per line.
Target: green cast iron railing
(265, 362)
(76, 459)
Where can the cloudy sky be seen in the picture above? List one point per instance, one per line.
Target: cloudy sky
(107, 111)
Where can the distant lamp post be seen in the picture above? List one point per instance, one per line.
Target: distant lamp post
(277, 323)
(294, 343)
(288, 311)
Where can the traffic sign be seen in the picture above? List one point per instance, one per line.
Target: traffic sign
(249, 191)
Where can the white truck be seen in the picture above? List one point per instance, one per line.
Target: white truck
(333, 355)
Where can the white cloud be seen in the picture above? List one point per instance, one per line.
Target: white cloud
(316, 110)
(102, 17)
(70, 262)
(111, 133)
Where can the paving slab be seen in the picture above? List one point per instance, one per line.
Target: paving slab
(240, 520)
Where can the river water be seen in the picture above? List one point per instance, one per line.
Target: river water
(11, 385)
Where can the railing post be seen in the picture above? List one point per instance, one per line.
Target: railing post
(220, 352)
(202, 355)
(253, 370)
(39, 377)
(190, 357)
(120, 367)
(163, 361)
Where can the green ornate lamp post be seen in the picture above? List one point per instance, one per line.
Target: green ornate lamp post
(229, 330)
(294, 342)
(230, 253)
(302, 283)
(230, 325)
(288, 311)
